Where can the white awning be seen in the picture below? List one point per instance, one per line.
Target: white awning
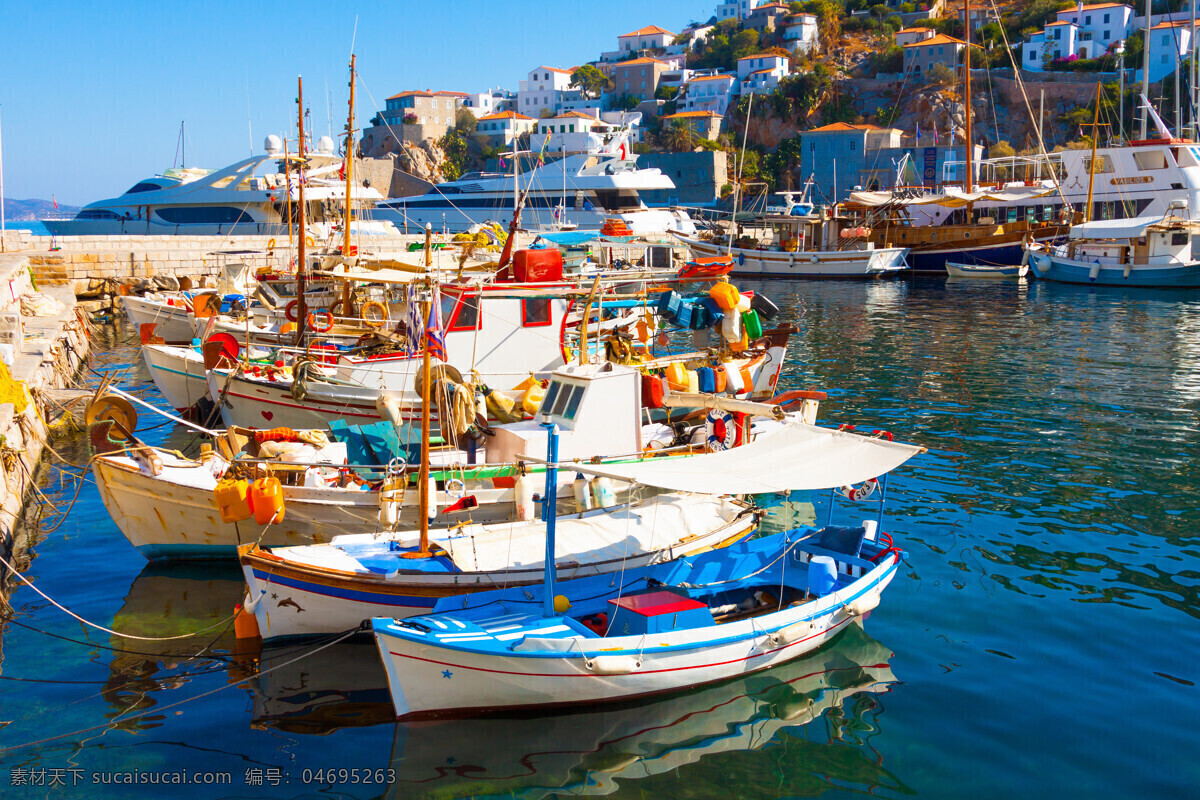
(952, 197)
(797, 457)
(1126, 228)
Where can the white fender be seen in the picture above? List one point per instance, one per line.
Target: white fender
(248, 604)
(1094, 272)
(1041, 264)
(612, 665)
(1128, 269)
(793, 633)
(389, 408)
(860, 606)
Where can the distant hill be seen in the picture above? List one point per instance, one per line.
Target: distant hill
(29, 210)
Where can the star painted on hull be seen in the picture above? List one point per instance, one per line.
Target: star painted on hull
(446, 673)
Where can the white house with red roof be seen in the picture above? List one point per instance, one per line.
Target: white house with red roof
(544, 88)
(629, 45)
(502, 128)
(1084, 31)
(707, 93)
(760, 73)
(1170, 44)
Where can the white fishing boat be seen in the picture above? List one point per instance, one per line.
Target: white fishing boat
(815, 246)
(1147, 252)
(668, 626)
(992, 271)
(597, 752)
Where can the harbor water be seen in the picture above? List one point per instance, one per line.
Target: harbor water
(1040, 642)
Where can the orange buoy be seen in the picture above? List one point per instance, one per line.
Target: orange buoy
(245, 625)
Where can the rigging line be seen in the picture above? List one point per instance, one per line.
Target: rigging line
(1029, 108)
(159, 709)
(71, 613)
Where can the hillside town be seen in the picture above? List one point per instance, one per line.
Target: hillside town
(836, 91)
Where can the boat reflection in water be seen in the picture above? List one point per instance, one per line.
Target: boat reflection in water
(590, 752)
(165, 601)
(343, 686)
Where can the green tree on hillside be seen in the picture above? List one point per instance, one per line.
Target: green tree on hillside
(591, 81)
(455, 148)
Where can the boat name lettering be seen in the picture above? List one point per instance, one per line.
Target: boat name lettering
(1132, 179)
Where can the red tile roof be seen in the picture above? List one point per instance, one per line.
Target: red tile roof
(649, 30)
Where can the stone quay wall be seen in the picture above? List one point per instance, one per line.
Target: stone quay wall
(43, 352)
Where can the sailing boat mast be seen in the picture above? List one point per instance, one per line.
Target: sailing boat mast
(348, 168)
(967, 101)
(1087, 209)
(426, 394)
(301, 267)
(1146, 69)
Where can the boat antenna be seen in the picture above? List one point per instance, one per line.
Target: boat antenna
(301, 267)
(249, 122)
(179, 143)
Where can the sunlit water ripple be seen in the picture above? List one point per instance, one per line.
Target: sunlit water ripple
(1040, 643)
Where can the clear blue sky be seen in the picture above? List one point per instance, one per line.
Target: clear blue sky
(92, 93)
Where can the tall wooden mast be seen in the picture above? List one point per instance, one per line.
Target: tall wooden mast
(967, 98)
(1087, 209)
(301, 266)
(348, 168)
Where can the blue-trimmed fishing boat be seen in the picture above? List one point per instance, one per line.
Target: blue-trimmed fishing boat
(662, 627)
(1144, 251)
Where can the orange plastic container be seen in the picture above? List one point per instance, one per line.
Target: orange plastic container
(677, 377)
(725, 295)
(266, 498)
(232, 498)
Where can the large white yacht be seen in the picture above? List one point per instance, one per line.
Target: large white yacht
(577, 191)
(249, 197)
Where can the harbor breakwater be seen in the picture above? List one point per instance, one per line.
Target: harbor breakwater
(44, 341)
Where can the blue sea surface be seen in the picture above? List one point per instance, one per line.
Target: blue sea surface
(35, 227)
(1040, 642)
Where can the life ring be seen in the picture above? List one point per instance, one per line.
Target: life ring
(720, 431)
(860, 492)
(323, 315)
(383, 314)
(309, 241)
(290, 311)
(271, 244)
(335, 308)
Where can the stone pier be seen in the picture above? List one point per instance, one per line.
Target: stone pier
(43, 343)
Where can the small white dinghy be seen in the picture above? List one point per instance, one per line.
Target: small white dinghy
(1013, 272)
(659, 627)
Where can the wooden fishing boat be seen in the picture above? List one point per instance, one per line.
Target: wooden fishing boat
(666, 626)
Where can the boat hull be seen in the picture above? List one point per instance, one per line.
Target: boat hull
(806, 264)
(1062, 270)
(981, 271)
(426, 679)
(173, 323)
(178, 373)
(291, 600)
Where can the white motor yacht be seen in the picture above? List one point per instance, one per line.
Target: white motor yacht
(249, 197)
(583, 190)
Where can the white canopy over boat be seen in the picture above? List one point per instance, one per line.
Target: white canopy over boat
(952, 197)
(1128, 228)
(797, 457)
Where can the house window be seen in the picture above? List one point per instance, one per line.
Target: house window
(1107, 35)
(1106, 16)
(852, 144)
(1087, 20)
(812, 147)
(1031, 55)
